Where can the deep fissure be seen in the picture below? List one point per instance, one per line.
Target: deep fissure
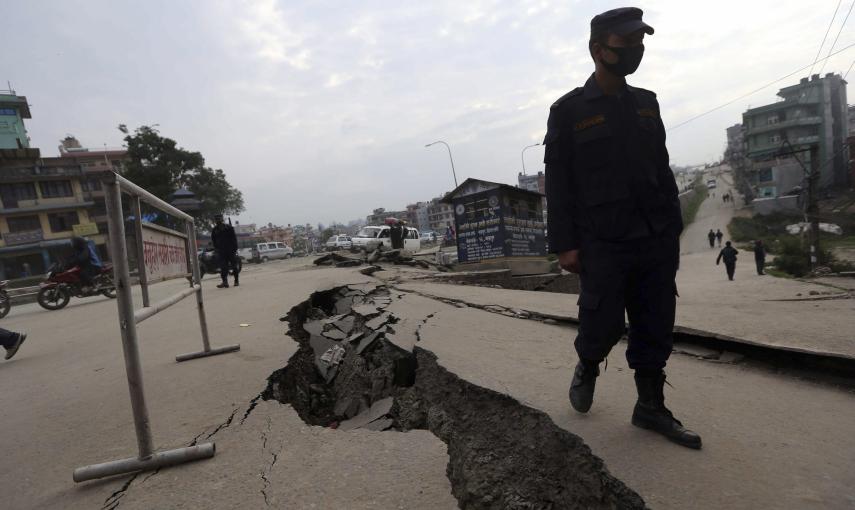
(351, 371)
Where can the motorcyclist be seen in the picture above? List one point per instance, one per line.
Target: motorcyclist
(84, 258)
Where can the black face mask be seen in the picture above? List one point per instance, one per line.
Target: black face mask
(629, 58)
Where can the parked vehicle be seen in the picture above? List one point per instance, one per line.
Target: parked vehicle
(5, 302)
(262, 252)
(338, 242)
(59, 286)
(209, 262)
(372, 237)
(428, 237)
(711, 184)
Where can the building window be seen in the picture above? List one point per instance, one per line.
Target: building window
(764, 175)
(8, 111)
(11, 193)
(91, 185)
(56, 189)
(62, 222)
(23, 224)
(772, 120)
(775, 139)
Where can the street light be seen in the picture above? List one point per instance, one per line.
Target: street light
(522, 153)
(449, 157)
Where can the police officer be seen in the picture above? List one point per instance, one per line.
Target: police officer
(614, 219)
(225, 243)
(728, 253)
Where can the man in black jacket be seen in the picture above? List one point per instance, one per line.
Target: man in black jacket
(760, 256)
(728, 253)
(614, 219)
(82, 258)
(225, 244)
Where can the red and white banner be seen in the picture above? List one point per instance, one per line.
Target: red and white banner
(163, 254)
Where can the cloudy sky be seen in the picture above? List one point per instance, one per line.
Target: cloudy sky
(320, 110)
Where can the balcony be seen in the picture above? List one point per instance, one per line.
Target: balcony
(798, 121)
(29, 236)
(767, 150)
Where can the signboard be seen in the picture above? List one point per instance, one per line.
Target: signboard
(480, 235)
(164, 254)
(525, 238)
(85, 229)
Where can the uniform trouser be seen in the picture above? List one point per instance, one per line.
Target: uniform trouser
(761, 263)
(633, 277)
(227, 260)
(7, 338)
(731, 268)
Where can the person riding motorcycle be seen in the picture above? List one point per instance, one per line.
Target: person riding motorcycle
(86, 259)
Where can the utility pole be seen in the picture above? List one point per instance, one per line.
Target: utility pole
(812, 209)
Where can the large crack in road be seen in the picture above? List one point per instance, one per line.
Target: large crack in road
(352, 370)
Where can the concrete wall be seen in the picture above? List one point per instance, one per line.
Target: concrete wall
(764, 206)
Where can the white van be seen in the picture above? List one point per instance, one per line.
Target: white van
(371, 237)
(262, 252)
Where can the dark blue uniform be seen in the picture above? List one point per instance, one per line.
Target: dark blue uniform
(612, 195)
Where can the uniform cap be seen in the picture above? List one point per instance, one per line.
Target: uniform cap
(621, 21)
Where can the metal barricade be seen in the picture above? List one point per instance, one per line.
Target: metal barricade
(113, 186)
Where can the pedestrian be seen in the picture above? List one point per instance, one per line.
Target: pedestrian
(396, 235)
(723, 198)
(614, 219)
(225, 244)
(11, 341)
(760, 256)
(718, 236)
(711, 237)
(25, 270)
(449, 234)
(728, 253)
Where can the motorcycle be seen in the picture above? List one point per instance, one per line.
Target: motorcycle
(209, 262)
(5, 302)
(60, 285)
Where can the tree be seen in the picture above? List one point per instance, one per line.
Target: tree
(159, 165)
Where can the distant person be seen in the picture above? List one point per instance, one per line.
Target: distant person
(25, 270)
(711, 237)
(225, 244)
(449, 233)
(11, 341)
(396, 235)
(724, 198)
(728, 253)
(718, 236)
(760, 256)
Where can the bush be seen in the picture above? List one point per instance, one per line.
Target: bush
(791, 257)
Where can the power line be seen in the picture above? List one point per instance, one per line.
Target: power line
(850, 68)
(838, 34)
(827, 30)
(782, 78)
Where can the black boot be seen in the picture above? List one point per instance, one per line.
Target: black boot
(237, 281)
(582, 387)
(224, 285)
(650, 411)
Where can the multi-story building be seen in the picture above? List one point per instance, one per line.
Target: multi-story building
(42, 205)
(812, 113)
(417, 216)
(852, 120)
(440, 215)
(13, 110)
(534, 182)
(378, 216)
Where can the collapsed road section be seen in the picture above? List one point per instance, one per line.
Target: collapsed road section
(352, 370)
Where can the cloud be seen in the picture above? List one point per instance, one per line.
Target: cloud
(320, 110)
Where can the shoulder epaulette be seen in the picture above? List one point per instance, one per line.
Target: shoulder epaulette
(574, 92)
(641, 90)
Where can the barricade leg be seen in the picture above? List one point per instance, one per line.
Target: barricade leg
(200, 306)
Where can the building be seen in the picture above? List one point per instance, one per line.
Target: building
(536, 183)
(812, 113)
(378, 217)
(42, 205)
(417, 216)
(440, 215)
(499, 227)
(13, 110)
(852, 120)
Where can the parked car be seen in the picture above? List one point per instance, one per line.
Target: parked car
(262, 252)
(428, 237)
(338, 242)
(372, 237)
(711, 184)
